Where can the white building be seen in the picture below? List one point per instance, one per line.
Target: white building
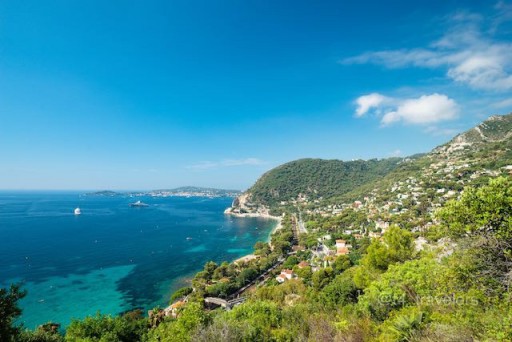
(285, 275)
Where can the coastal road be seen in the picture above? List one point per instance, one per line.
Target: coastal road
(302, 227)
(262, 278)
(295, 229)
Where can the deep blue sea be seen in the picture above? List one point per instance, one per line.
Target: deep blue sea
(112, 257)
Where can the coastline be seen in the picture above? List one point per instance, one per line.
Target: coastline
(278, 226)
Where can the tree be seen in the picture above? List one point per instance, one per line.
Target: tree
(400, 243)
(341, 263)
(261, 248)
(262, 316)
(221, 271)
(401, 285)
(9, 311)
(290, 262)
(182, 292)
(398, 246)
(340, 291)
(105, 328)
(377, 256)
(483, 211)
(483, 219)
(209, 268)
(308, 240)
(40, 335)
(191, 317)
(321, 278)
(200, 281)
(221, 289)
(281, 247)
(304, 273)
(221, 329)
(246, 276)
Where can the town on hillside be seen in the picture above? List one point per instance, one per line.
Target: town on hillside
(320, 237)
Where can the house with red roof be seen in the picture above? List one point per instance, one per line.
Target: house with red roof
(342, 251)
(286, 274)
(302, 264)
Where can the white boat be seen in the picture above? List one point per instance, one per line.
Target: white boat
(138, 204)
(77, 211)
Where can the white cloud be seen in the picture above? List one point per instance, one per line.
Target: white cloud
(426, 109)
(206, 165)
(423, 110)
(367, 102)
(466, 53)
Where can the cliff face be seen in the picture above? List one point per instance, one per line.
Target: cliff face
(242, 205)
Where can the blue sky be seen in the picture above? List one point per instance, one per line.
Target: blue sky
(158, 94)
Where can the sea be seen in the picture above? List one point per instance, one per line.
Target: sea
(112, 258)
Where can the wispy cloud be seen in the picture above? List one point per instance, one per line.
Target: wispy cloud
(468, 54)
(507, 103)
(207, 165)
(426, 109)
(503, 15)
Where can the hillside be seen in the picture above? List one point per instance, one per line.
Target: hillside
(470, 158)
(426, 180)
(313, 179)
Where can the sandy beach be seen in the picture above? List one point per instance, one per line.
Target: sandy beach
(278, 226)
(266, 216)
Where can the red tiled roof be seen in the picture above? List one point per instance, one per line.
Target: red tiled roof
(342, 251)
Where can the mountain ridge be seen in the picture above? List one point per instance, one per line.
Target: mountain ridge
(479, 151)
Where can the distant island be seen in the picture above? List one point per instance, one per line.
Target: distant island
(104, 193)
(184, 191)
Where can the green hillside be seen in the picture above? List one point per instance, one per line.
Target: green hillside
(469, 158)
(317, 178)
(426, 180)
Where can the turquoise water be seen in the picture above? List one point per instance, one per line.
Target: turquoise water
(112, 258)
